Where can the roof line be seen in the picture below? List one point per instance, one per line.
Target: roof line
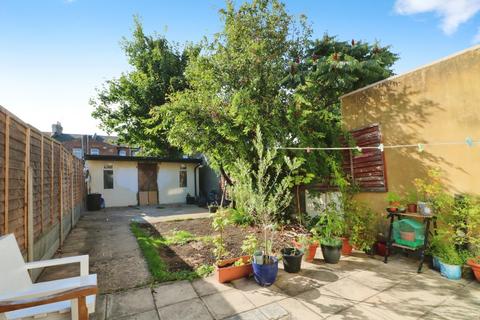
(145, 159)
(476, 47)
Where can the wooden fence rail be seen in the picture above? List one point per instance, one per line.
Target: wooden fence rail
(42, 187)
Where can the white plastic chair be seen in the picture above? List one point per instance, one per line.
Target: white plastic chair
(20, 298)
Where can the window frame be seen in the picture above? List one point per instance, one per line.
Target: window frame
(183, 177)
(79, 151)
(93, 153)
(108, 169)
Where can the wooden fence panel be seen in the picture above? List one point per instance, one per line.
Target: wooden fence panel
(57, 182)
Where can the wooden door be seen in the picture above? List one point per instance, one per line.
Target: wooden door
(147, 184)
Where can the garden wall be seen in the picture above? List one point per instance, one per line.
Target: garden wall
(435, 103)
(42, 188)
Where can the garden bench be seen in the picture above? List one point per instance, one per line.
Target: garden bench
(20, 298)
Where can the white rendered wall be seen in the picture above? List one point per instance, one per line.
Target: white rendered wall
(125, 182)
(168, 181)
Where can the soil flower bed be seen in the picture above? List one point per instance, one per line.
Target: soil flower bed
(178, 250)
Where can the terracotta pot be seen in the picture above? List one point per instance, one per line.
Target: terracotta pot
(407, 235)
(394, 204)
(475, 268)
(346, 247)
(412, 207)
(382, 249)
(232, 272)
(309, 252)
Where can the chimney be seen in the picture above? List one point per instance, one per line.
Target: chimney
(57, 129)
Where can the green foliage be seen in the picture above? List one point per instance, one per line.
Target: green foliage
(158, 268)
(410, 197)
(393, 197)
(221, 219)
(269, 191)
(123, 104)
(240, 217)
(360, 224)
(330, 226)
(449, 255)
(263, 68)
(180, 237)
(250, 244)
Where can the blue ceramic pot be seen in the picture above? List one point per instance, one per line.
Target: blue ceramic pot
(451, 272)
(266, 274)
(436, 263)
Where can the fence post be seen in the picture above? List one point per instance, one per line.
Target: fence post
(26, 204)
(7, 171)
(41, 181)
(72, 179)
(52, 173)
(30, 215)
(61, 195)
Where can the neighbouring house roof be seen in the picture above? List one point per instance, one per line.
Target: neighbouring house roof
(141, 159)
(63, 137)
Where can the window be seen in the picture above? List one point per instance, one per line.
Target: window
(122, 153)
(183, 176)
(108, 176)
(94, 151)
(78, 152)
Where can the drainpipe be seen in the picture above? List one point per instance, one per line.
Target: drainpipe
(195, 177)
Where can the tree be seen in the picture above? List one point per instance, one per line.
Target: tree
(264, 69)
(123, 105)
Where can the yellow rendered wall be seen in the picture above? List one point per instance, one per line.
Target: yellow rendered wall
(436, 103)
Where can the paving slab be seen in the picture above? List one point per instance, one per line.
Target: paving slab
(129, 303)
(351, 289)
(173, 292)
(365, 311)
(149, 315)
(209, 285)
(298, 310)
(258, 295)
(323, 302)
(193, 309)
(227, 303)
(274, 311)
(294, 284)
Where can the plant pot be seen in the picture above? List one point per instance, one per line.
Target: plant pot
(346, 247)
(407, 235)
(436, 263)
(475, 268)
(392, 209)
(292, 263)
(266, 274)
(232, 272)
(450, 271)
(309, 252)
(382, 249)
(331, 254)
(412, 207)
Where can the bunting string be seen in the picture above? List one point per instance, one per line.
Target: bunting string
(420, 146)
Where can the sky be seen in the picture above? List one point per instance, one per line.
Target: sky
(55, 53)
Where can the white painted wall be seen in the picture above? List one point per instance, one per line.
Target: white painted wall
(168, 181)
(125, 182)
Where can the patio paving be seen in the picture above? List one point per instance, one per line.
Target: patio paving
(359, 287)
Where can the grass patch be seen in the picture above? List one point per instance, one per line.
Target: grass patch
(158, 268)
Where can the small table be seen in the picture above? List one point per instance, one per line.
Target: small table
(426, 221)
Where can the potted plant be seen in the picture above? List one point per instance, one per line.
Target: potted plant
(292, 259)
(393, 200)
(411, 199)
(268, 187)
(233, 268)
(451, 262)
(360, 225)
(308, 245)
(329, 229)
(474, 263)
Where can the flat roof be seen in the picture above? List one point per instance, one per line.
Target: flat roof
(141, 159)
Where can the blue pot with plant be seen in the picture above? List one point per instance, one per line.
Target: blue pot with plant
(436, 263)
(265, 274)
(451, 262)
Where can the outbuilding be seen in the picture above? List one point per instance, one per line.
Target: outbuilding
(127, 181)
